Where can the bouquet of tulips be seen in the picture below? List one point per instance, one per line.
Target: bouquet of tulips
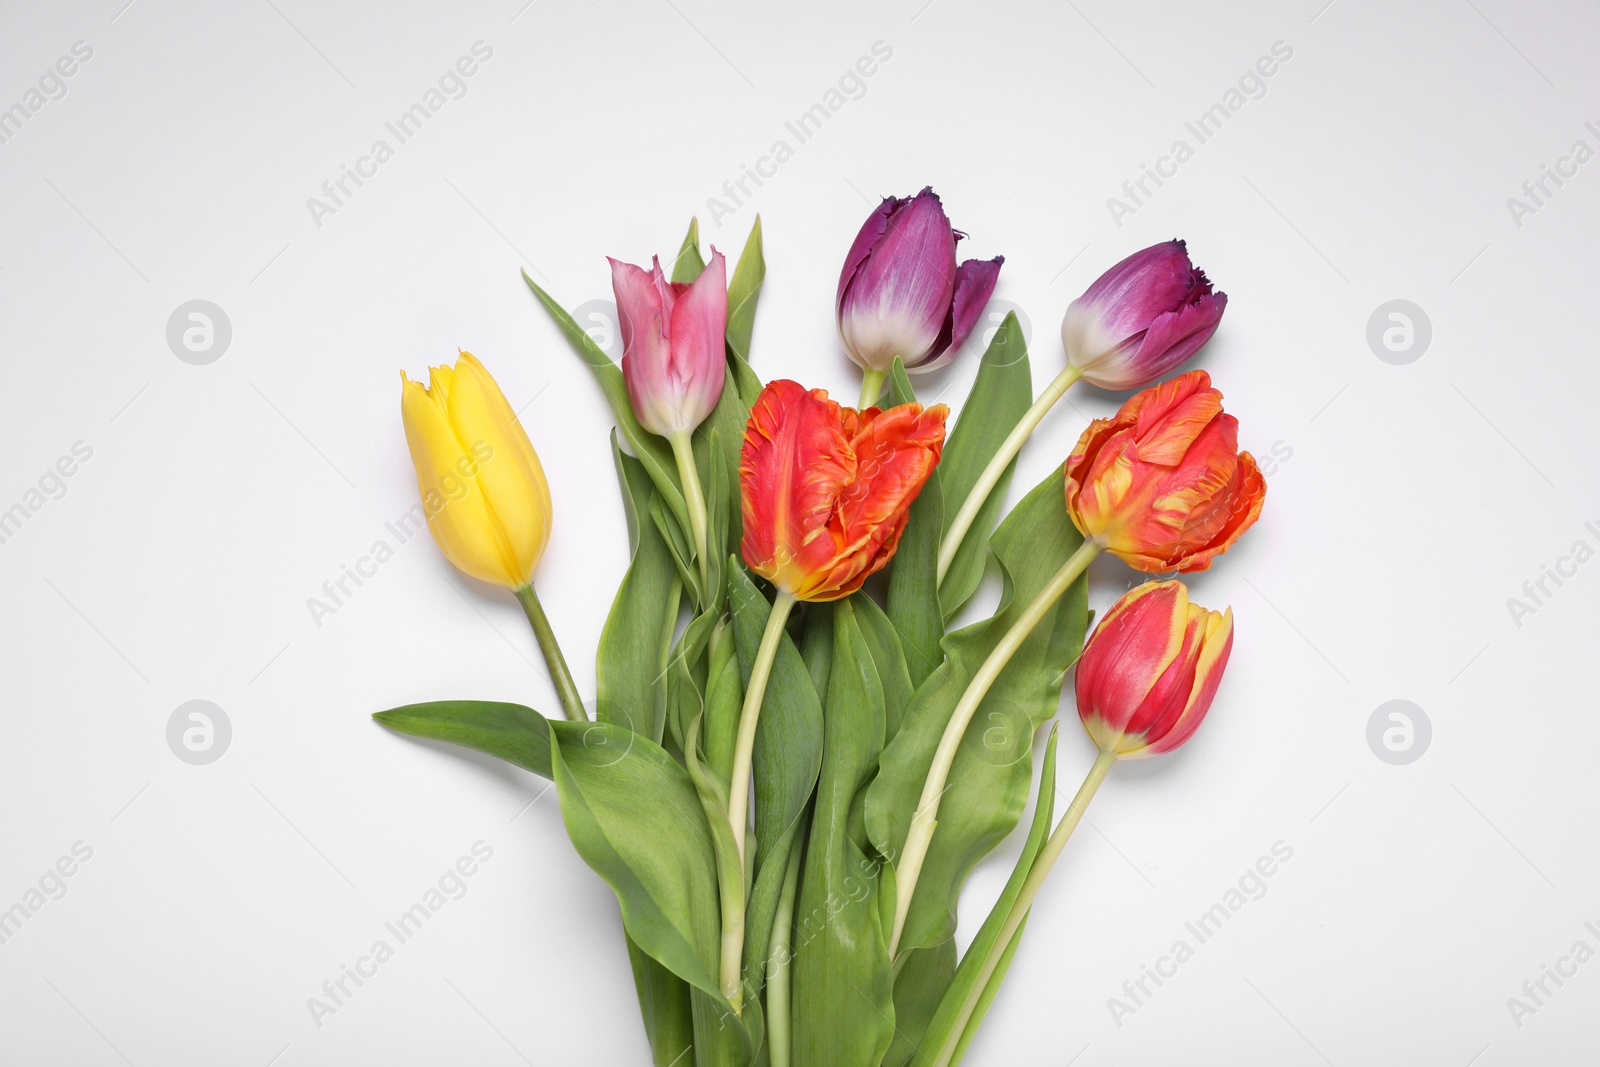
(795, 763)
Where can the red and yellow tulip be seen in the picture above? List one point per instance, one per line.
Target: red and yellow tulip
(826, 489)
(1161, 485)
(1148, 673)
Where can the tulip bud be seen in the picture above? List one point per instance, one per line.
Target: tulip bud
(672, 343)
(1141, 318)
(1160, 485)
(1148, 673)
(901, 292)
(483, 490)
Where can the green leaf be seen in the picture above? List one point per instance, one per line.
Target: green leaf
(724, 695)
(744, 292)
(788, 754)
(664, 1004)
(652, 451)
(948, 1023)
(816, 644)
(717, 442)
(686, 674)
(888, 657)
(635, 817)
(677, 542)
(914, 574)
(1000, 396)
(843, 983)
(687, 267)
(630, 665)
(988, 784)
(512, 732)
(921, 981)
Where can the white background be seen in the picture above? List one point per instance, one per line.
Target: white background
(218, 499)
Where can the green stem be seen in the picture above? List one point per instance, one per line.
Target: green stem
(560, 676)
(926, 816)
(689, 474)
(749, 714)
(871, 387)
(1019, 909)
(991, 474)
(779, 1028)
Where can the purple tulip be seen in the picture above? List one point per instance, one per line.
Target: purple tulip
(901, 293)
(1141, 318)
(672, 343)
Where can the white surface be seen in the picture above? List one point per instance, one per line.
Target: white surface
(219, 498)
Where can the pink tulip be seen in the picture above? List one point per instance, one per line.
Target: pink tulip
(672, 343)
(901, 292)
(1141, 318)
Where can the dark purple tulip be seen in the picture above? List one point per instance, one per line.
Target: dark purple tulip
(1141, 318)
(901, 293)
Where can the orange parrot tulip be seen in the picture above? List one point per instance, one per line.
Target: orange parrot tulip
(826, 489)
(1161, 485)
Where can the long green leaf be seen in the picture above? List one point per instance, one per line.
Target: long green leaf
(913, 576)
(689, 263)
(788, 754)
(514, 733)
(664, 1004)
(1000, 395)
(888, 657)
(744, 291)
(843, 983)
(989, 781)
(956, 1014)
(716, 445)
(630, 665)
(920, 983)
(635, 817)
(652, 451)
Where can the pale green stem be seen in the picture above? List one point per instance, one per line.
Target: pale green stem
(732, 944)
(749, 714)
(991, 474)
(779, 1027)
(926, 817)
(1019, 908)
(871, 387)
(683, 452)
(560, 676)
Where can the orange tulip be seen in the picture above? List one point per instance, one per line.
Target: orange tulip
(1161, 485)
(826, 489)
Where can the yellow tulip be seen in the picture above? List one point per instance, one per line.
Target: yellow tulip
(483, 490)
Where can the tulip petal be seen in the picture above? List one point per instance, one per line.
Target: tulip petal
(1168, 417)
(826, 490)
(1133, 645)
(1215, 646)
(456, 508)
(867, 239)
(500, 458)
(898, 300)
(793, 465)
(1247, 490)
(1176, 335)
(698, 363)
(975, 282)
